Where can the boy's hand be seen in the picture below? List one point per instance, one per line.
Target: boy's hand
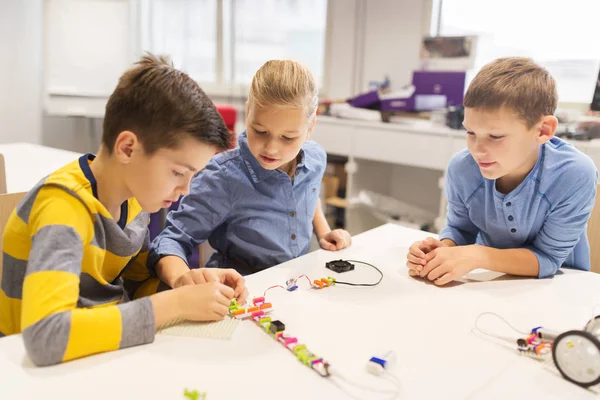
(192, 277)
(337, 239)
(415, 260)
(229, 277)
(207, 302)
(446, 264)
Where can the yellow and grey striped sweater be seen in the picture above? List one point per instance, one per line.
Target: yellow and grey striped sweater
(66, 267)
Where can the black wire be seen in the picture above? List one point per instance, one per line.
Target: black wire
(362, 284)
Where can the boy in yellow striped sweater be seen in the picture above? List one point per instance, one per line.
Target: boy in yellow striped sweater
(75, 249)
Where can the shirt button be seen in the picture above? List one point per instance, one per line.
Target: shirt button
(513, 230)
(293, 236)
(297, 172)
(292, 213)
(508, 204)
(314, 190)
(510, 217)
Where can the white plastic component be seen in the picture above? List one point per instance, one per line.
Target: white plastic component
(375, 368)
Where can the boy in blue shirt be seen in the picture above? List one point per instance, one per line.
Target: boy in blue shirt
(518, 198)
(257, 205)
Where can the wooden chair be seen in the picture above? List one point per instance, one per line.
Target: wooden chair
(8, 202)
(594, 234)
(2, 175)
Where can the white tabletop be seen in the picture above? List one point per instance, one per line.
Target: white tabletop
(430, 328)
(26, 164)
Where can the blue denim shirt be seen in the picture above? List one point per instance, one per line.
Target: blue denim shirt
(254, 218)
(547, 213)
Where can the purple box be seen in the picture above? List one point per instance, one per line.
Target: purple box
(450, 84)
(365, 100)
(391, 105)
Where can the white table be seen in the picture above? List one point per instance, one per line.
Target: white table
(26, 164)
(430, 328)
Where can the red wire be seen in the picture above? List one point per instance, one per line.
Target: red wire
(279, 286)
(272, 287)
(305, 276)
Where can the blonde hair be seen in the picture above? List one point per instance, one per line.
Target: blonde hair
(516, 83)
(285, 83)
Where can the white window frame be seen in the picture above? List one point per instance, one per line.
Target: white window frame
(221, 87)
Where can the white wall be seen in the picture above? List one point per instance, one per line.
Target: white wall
(21, 70)
(369, 39)
(393, 33)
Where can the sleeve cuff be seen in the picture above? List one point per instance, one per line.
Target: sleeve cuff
(547, 265)
(454, 235)
(137, 320)
(166, 247)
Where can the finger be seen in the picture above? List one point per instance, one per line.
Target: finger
(414, 267)
(348, 237)
(415, 250)
(439, 271)
(416, 260)
(413, 272)
(445, 279)
(430, 266)
(226, 291)
(326, 245)
(430, 244)
(197, 277)
(335, 237)
(223, 300)
(233, 279)
(221, 310)
(426, 246)
(186, 280)
(210, 275)
(243, 296)
(342, 243)
(431, 255)
(216, 316)
(240, 286)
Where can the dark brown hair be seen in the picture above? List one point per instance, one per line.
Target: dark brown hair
(515, 83)
(162, 106)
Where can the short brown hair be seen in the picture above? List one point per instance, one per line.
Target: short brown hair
(162, 105)
(516, 83)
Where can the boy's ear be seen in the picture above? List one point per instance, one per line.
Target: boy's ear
(548, 126)
(125, 145)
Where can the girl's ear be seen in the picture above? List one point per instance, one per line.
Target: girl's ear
(311, 127)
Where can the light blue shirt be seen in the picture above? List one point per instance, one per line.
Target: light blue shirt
(547, 213)
(254, 218)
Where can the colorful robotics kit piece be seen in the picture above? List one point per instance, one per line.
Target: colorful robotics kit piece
(275, 329)
(575, 353)
(323, 282)
(292, 283)
(536, 344)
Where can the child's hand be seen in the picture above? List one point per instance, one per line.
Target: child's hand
(446, 264)
(415, 260)
(229, 277)
(192, 277)
(335, 240)
(207, 302)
